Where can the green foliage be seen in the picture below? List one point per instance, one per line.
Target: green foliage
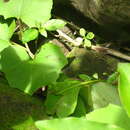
(110, 117)
(87, 37)
(43, 31)
(112, 78)
(87, 43)
(103, 93)
(3, 45)
(90, 35)
(63, 97)
(67, 91)
(85, 77)
(28, 75)
(51, 25)
(124, 85)
(7, 28)
(80, 109)
(74, 124)
(31, 68)
(34, 14)
(67, 103)
(54, 24)
(82, 32)
(29, 35)
(111, 114)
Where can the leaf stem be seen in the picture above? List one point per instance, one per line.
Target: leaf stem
(26, 45)
(96, 48)
(28, 50)
(82, 84)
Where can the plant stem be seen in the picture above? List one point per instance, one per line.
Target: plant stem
(29, 52)
(82, 84)
(26, 45)
(96, 48)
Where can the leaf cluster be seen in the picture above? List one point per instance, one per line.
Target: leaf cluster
(68, 100)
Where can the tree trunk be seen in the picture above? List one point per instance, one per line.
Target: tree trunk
(105, 11)
(113, 15)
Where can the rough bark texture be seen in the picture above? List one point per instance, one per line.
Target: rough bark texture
(105, 11)
(111, 14)
(19, 111)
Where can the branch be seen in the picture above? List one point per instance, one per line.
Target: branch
(29, 52)
(96, 48)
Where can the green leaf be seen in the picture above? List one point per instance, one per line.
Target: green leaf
(43, 32)
(112, 78)
(62, 97)
(87, 43)
(85, 94)
(28, 75)
(85, 77)
(104, 94)
(124, 85)
(3, 44)
(29, 35)
(82, 32)
(67, 103)
(7, 28)
(73, 124)
(90, 35)
(111, 114)
(60, 88)
(51, 103)
(95, 75)
(80, 109)
(33, 13)
(54, 24)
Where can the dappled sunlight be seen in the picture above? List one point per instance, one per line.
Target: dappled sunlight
(32, 74)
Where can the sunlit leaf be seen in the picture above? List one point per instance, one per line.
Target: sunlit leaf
(85, 77)
(124, 85)
(33, 13)
(74, 124)
(90, 35)
(7, 28)
(111, 114)
(54, 24)
(87, 43)
(29, 35)
(43, 32)
(82, 32)
(28, 75)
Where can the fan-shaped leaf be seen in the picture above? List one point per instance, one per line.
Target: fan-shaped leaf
(31, 12)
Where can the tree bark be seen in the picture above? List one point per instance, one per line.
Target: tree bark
(113, 15)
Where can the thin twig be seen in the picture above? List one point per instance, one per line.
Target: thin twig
(26, 45)
(29, 52)
(96, 48)
(26, 48)
(16, 28)
(111, 52)
(69, 39)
